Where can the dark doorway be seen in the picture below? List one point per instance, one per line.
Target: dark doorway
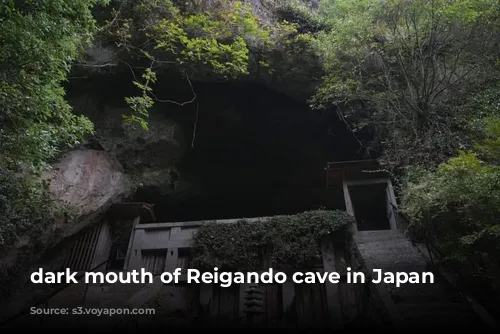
(370, 206)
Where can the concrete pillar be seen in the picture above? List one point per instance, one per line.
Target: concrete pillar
(332, 290)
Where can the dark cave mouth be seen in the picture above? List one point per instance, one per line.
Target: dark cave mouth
(236, 204)
(257, 153)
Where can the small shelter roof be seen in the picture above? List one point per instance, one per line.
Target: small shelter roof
(337, 172)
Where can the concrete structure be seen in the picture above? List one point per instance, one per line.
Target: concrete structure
(378, 243)
(382, 244)
(166, 246)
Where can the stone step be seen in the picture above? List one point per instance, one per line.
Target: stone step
(432, 308)
(129, 287)
(422, 305)
(68, 297)
(392, 262)
(389, 245)
(423, 298)
(95, 294)
(371, 236)
(395, 267)
(447, 321)
(404, 292)
(106, 303)
(401, 264)
(422, 293)
(89, 322)
(377, 232)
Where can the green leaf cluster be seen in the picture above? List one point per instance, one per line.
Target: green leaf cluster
(194, 39)
(224, 38)
(26, 210)
(404, 70)
(457, 208)
(39, 39)
(39, 42)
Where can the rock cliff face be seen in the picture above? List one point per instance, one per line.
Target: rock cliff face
(88, 182)
(148, 157)
(247, 148)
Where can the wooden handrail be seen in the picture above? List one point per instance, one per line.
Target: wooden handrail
(433, 252)
(381, 291)
(45, 299)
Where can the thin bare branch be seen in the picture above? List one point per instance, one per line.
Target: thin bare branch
(195, 123)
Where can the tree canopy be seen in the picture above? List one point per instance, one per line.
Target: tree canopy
(40, 40)
(419, 78)
(403, 70)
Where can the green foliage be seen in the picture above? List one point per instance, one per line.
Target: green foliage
(26, 210)
(300, 13)
(195, 38)
(297, 57)
(489, 148)
(214, 37)
(140, 105)
(39, 41)
(458, 208)
(403, 69)
(225, 39)
(289, 241)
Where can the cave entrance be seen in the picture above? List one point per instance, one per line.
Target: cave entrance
(370, 206)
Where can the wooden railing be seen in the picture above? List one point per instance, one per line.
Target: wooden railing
(434, 255)
(377, 292)
(45, 300)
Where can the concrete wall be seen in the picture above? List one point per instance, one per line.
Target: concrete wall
(168, 240)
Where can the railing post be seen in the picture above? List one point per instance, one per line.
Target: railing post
(429, 251)
(43, 313)
(46, 299)
(334, 306)
(85, 293)
(366, 299)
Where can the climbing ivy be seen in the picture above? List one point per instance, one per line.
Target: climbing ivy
(290, 241)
